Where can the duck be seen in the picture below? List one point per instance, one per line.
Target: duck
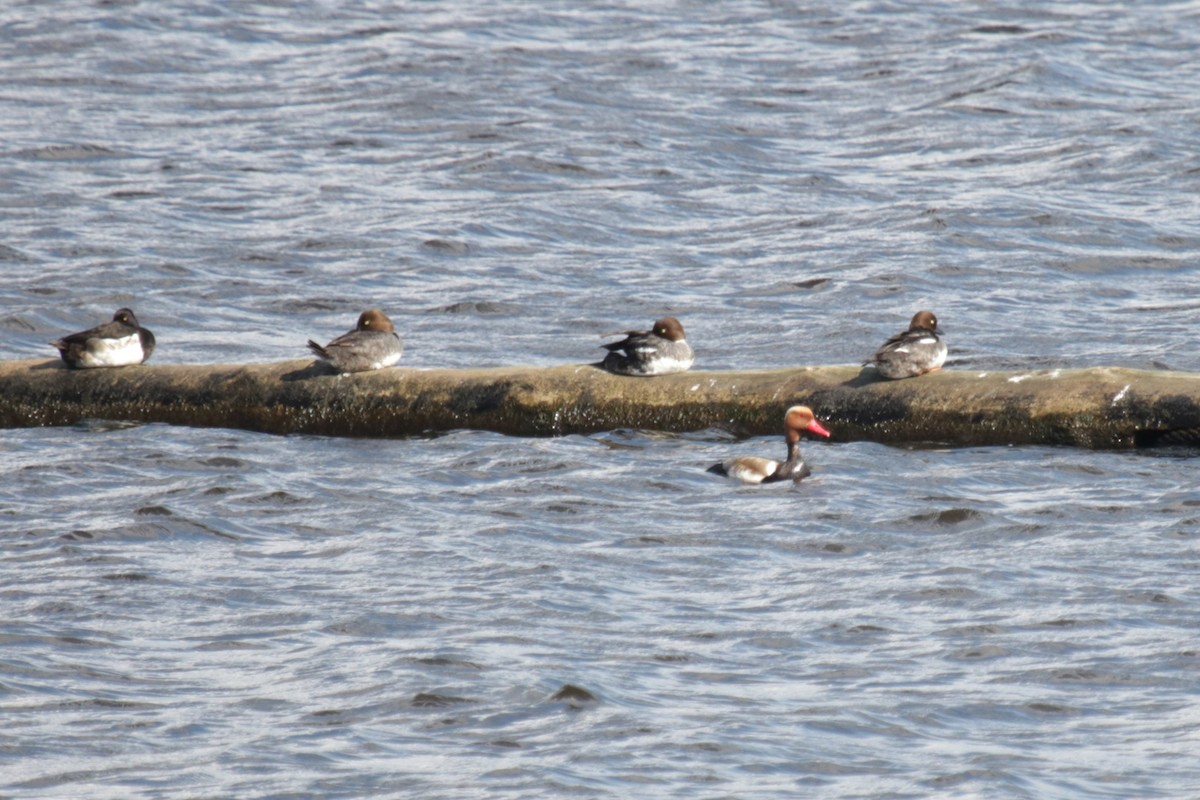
(913, 352)
(120, 342)
(754, 469)
(658, 351)
(373, 344)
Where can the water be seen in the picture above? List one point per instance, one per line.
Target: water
(209, 613)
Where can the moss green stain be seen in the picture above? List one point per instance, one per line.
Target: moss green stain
(1099, 407)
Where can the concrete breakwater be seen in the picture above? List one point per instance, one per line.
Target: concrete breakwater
(1099, 407)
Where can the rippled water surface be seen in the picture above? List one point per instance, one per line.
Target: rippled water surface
(210, 613)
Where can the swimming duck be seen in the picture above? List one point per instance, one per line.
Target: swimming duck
(916, 351)
(753, 469)
(373, 344)
(659, 351)
(118, 343)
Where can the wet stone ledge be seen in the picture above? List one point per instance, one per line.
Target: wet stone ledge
(1099, 407)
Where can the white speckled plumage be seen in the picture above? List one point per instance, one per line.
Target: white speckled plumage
(659, 351)
(373, 344)
(121, 342)
(913, 352)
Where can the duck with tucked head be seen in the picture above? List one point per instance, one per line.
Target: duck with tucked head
(373, 344)
(913, 352)
(754, 469)
(659, 351)
(118, 343)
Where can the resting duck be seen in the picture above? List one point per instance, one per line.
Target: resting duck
(916, 351)
(654, 352)
(118, 343)
(752, 469)
(373, 344)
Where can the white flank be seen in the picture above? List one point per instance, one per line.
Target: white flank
(1018, 378)
(392, 358)
(672, 364)
(112, 352)
(1119, 396)
(751, 474)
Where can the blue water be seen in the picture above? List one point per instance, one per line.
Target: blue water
(210, 613)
